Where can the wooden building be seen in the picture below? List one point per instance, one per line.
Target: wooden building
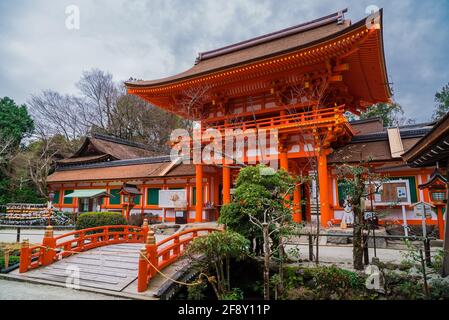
(300, 82)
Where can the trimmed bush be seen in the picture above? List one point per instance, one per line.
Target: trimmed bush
(12, 261)
(98, 219)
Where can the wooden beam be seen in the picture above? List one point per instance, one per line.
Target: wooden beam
(336, 78)
(341, 67)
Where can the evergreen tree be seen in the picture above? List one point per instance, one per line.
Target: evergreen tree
(442, 103)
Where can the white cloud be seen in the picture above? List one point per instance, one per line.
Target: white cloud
(157, 38)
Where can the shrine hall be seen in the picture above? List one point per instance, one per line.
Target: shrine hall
(303, 82)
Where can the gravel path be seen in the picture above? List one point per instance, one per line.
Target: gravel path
(33, 235)
(14, 290)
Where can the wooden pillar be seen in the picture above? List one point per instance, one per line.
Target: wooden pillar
(226, 185)
(142, 274)
(25, 256)
(308, 192)
(199, 193)
(324, 189)
(283, 154)
(188, 195)
(440, 222)
(297, 216)
(445, 269)
(216, 199)
(49, 243)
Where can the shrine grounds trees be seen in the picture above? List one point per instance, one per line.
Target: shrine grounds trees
(215, 252)
(52, 126)
(354, 179)
(102, 106)
(16, 125)
(442, 103)
(391, 114)
(262, 212)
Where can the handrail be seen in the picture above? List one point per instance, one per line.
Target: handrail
(155, 256)
(305, 118)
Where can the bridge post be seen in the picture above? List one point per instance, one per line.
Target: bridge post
(176, 249)
(152, 252)
(144, 230)
(49, 243)
(24, 256)
(142, 276)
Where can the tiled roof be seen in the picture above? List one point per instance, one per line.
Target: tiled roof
(375, 145)
(260, 47)
(102, 147)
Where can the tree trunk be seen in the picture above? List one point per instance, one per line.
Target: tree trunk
(357, 251)
(266, 265)
(281, 267)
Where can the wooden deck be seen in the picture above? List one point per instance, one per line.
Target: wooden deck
(111, 268)
(108, 270)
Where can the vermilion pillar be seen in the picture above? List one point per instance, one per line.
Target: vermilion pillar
(297, 204)
(308, 194)
(440, 222)
(324, 189)
(226, 185)
(199, 193)
(283, 156)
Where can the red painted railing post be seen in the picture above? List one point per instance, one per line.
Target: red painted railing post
(142, 276)
(144, 230)
(152, 252)
(81, 241)
(24, 256)
(106, 234)
(176, 249)
(49, 243)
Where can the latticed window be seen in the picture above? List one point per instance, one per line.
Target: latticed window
(115, 198)
(68, 200)
(438, 196)
(56, 198)
(153, 196)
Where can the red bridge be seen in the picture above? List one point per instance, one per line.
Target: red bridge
(116, 266)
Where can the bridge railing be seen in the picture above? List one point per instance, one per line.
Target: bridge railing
(156, 256)
(53, 248)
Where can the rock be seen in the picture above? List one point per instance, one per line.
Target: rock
(339, 240)
(415, 230)
(380, 243)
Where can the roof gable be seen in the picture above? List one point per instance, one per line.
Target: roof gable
(106, 148)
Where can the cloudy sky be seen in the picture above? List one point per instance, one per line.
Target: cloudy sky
(156, 38)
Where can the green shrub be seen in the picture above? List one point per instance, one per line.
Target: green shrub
(12, 260)
(439, 289)
(98, 219)
(234, 294)
(323, 282)
(301, 293)
(197, 292)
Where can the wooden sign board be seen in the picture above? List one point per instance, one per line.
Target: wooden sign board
(172, 198)
(421, 208)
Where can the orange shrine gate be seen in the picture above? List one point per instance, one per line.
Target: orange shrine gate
(298, 81)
